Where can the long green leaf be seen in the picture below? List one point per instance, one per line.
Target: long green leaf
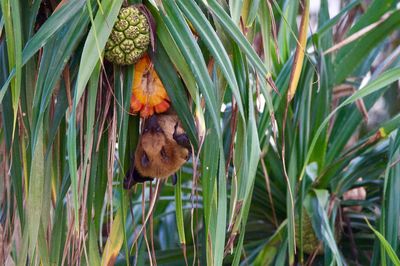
(52, 25)
(97, 38)
(179, 212)
(235, 33)
(389, 250)
(214, 44)
(17, 30)
(35, 197)
(391, 198)
(191, 51)
(352, 55)
(382, 81)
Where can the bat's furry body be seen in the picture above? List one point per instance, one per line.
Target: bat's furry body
(162, 149)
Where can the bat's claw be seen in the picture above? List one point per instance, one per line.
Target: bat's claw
(142, 179)
(182, 139)
(133, 177)
(130, 181)
(174, 179)
(175, 128)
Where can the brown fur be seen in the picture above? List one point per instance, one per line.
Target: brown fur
(163, 155)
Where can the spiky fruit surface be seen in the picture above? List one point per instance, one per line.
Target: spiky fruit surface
(310, 239)
(129, 38)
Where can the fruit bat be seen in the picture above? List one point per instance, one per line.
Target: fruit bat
(162, 149)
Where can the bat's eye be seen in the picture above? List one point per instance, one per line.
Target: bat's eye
(158, 129)
(146, 130)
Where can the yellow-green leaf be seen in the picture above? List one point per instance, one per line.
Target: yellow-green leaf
(300, 51)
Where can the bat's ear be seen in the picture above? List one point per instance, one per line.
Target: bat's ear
(133, 177)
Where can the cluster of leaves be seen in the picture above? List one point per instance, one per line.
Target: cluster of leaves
(277, 117)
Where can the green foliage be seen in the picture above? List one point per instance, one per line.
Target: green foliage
(260, 157)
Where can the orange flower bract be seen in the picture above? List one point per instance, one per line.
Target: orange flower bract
(148, 93)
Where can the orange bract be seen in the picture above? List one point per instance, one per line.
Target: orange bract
(148, 93)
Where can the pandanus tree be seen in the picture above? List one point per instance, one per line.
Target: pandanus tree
(292, 117)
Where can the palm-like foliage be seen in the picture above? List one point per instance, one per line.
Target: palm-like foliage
(276, 113)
